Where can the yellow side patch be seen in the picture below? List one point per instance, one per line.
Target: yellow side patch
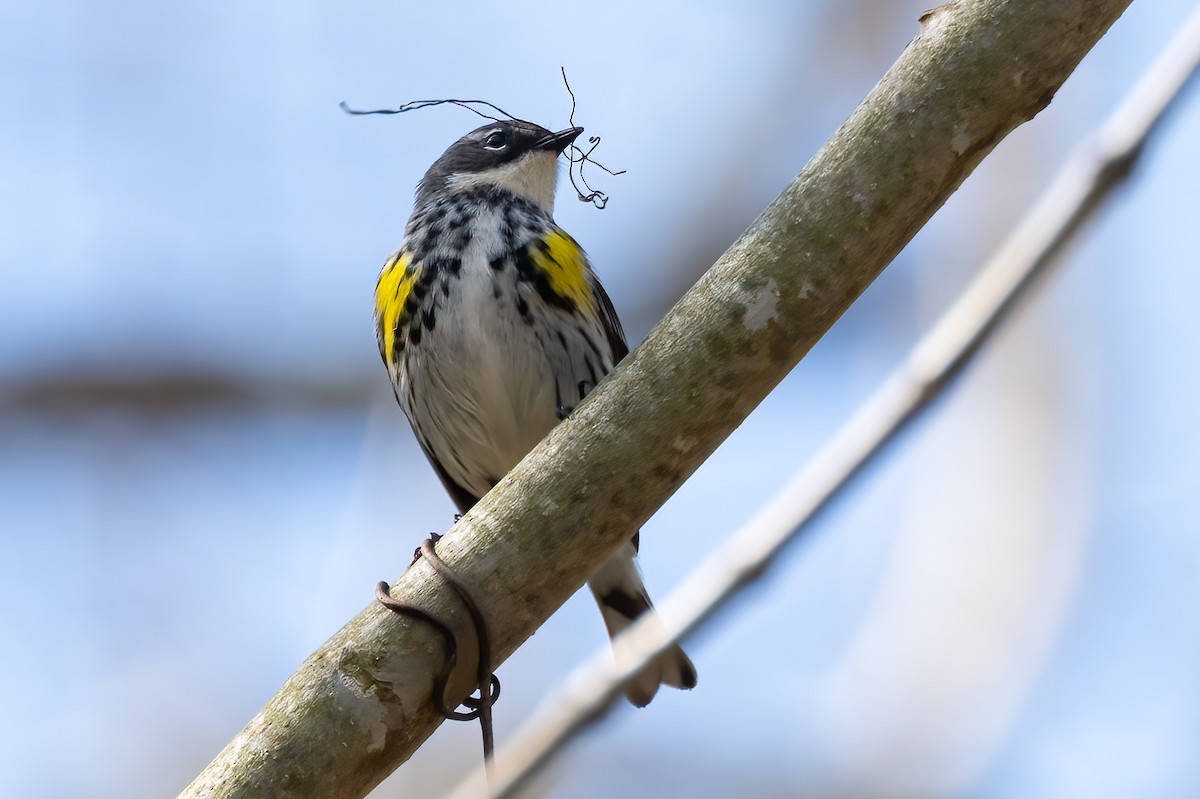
(391, 293)
(561, 260)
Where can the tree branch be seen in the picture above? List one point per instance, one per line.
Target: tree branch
(360, 705)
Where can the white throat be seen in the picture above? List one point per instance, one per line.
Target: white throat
(532, 176)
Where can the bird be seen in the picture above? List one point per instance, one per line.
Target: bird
(493, 326)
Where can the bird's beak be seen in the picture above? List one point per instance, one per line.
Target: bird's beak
(557, 142)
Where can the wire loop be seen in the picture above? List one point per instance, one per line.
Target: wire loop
(488, 684)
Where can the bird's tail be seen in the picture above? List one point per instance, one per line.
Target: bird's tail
(622, 598)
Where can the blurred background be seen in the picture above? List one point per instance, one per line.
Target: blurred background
(203, 472)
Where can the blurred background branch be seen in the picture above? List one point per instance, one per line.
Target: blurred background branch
(172, 392)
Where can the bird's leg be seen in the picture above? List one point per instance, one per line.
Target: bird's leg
(563, 410)
(433, 539)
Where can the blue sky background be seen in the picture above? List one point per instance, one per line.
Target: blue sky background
(194, 423)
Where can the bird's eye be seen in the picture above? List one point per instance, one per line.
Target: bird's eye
(497, 141)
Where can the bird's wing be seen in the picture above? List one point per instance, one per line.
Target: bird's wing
(392, 307)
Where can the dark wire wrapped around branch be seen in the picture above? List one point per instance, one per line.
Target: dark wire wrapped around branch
(489, 684)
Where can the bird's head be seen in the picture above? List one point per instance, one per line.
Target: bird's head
(514, 155)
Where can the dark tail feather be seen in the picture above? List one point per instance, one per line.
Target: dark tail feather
(622, 598)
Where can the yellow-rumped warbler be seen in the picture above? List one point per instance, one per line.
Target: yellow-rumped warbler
(493, 327)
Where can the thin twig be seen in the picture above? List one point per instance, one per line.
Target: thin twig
(416, 105)
(1096, 167)
(576, 155)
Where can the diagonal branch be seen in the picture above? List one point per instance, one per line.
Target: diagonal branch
(1096, 168)
(360, 705)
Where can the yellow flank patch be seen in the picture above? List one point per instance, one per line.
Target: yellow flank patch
(391, 293)
(562, 261)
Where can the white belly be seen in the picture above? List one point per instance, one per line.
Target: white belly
(486, 383)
